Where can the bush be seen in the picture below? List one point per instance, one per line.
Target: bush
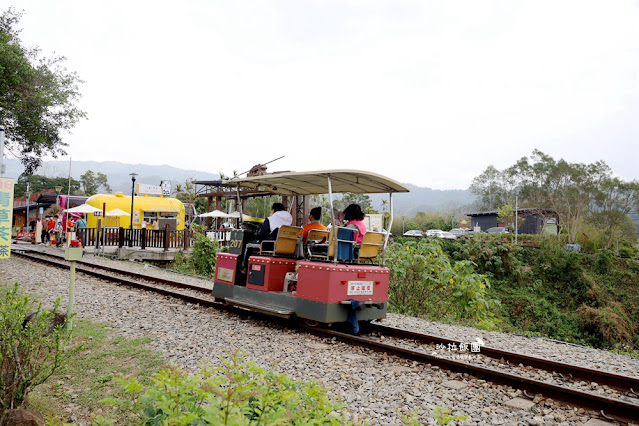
(493, 254)
(202, 258)
(609, 324)
(31, 347)
(425, 283)
(204, 254)
(530, 311)
(238, 393)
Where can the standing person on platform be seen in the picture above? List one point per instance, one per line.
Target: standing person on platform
(44, 235)
(155, 226)
(313, 222)
(81, 223)
(143, 224)
(58, 231)
(354, 216)
(65, 224)
(50, 227)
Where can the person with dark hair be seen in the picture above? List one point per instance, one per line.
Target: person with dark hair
(279, 216)
(44, 236)
(313, 222)
(354, 216)
(81, 223)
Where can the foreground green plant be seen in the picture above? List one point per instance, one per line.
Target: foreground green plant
(237, 393)
(441, 414)
(31, 346)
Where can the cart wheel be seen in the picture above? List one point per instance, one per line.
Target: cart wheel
(310, 323)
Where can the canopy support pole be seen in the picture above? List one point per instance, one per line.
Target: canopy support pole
(390, 225)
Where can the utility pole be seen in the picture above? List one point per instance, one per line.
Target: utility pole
(2, 166)
(516, 221)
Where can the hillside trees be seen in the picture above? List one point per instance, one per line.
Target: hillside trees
(40, 183)
(38, 97)
(576, 192)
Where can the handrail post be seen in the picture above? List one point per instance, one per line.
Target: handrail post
(120, 237)
(143, 238)
(166, 237)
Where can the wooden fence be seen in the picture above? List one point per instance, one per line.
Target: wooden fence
(138, 238)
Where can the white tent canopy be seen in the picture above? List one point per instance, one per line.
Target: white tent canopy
(117, 212)
(84, 208)
(214, 213)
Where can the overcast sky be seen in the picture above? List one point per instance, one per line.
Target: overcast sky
(425, 92)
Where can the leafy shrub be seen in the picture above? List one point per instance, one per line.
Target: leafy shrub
(425, 283)
(237, 393)
(626, 249)
(204, 254)
(610, 324)
(603, 261)
(31, 347)
(492, 254)
(529, 310)
(565, 279)
(202, 258)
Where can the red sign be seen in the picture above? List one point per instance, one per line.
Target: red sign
(25, 235)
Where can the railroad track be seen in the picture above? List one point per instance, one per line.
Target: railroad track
(624, 407)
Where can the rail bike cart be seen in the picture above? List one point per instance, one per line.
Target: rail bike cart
(330, 279)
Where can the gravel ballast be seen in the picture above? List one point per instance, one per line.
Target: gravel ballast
(378, 389)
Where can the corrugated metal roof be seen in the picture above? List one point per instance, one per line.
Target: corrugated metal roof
(523, 210)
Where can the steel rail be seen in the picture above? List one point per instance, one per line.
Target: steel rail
(123, 281)
(609, 408)
(114, 270)
(616, 381)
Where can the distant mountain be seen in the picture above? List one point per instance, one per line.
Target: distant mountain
(118, 174)
(418, 199)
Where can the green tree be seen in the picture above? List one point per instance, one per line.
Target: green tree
(41, 183)
(508, 216)
(363, 200)
(614, 200)
(92, 182)
(567, 188)
(187, 194)
(37, 97)
(489, 187)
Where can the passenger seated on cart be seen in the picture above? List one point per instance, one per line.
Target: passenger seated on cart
(279, 216)
(314, 222)
(354, 216)
(268, 231)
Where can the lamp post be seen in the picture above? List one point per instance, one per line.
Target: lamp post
(133, 176)
(28, 198)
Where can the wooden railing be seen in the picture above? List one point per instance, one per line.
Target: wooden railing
(138, 238)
